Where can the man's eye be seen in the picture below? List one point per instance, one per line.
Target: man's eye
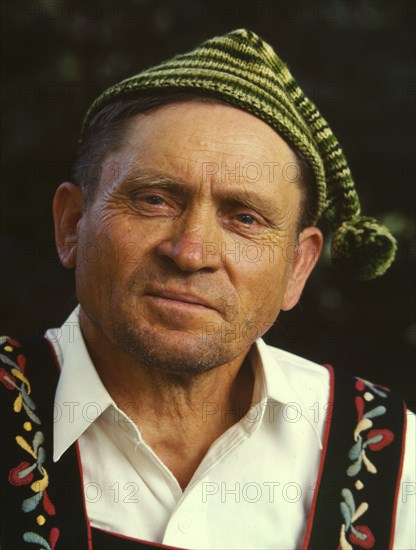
(153, 199)
(246, 219)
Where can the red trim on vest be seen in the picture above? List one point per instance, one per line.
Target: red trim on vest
(155, 544)
(323, 456)
(399, 478)
(87, 519)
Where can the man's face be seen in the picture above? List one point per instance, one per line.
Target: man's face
(184, 255)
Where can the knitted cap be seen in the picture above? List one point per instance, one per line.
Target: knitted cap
(244, 71)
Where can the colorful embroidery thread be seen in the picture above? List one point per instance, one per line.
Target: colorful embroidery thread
(33, 471)
(365, 439)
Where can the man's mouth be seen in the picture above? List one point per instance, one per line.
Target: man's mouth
(179, 297)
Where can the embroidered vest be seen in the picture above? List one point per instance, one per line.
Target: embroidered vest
(42, 502)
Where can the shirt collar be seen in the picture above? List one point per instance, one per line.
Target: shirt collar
(80, 395)
(275, 381)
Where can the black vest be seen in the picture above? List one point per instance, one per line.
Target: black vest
(42, 502)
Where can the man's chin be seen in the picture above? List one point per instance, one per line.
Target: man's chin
(178, 352)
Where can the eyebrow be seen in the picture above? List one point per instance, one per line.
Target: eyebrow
(141, 180)
(252, 201)
(231, 197)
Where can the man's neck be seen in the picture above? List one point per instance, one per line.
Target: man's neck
(179, 417)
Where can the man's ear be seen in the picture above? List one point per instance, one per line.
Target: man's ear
(307, 253)
(67, 212)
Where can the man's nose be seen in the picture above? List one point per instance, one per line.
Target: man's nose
(194, 243)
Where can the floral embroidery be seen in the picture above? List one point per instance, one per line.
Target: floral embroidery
(366, 439)
(31, 472)
(358, 534)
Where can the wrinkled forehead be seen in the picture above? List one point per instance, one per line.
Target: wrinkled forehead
(188, 136)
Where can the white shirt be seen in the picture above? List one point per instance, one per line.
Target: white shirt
(255, 485)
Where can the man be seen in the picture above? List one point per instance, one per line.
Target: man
(191, 223)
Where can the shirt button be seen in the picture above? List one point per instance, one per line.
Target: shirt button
(184, 524)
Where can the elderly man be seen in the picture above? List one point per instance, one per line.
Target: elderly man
(167, 421)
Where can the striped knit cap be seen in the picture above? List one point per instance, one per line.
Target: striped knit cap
(244, 71)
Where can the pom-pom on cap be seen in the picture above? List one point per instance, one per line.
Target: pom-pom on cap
(363, 247)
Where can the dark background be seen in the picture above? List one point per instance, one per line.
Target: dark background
(354, 58)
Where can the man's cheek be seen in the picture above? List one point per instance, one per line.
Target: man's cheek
(126, 252)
